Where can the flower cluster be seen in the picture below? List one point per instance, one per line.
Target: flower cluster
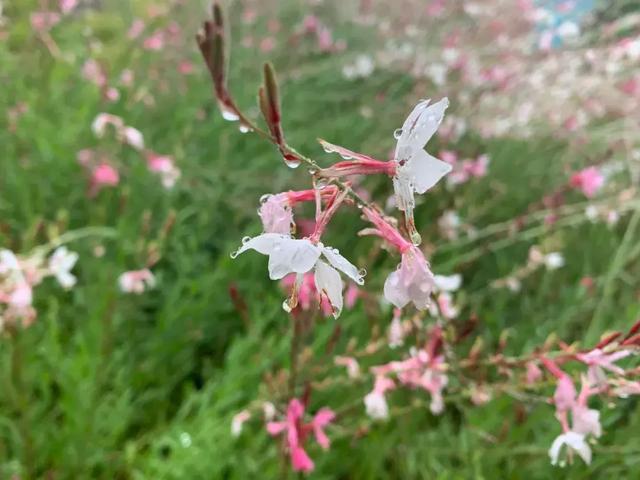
(19, 275)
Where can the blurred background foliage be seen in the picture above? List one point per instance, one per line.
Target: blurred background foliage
(105, 385)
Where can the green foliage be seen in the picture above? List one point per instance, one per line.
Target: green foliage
(105, 385)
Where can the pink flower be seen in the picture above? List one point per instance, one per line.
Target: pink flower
(133, 137)
(589, 180)
(103, 175)
(44, 21)
(353, 369)
(93, 71)
(310, 23)
(411, 282)
(155, 42)
(136, 281)
(296, 432)
(534, 374)
(165, 167)
(66, 6)
(267, 44)
(565, 394)
(396, 330)
(276, 214)
(323, 418)
(136, 28)
(598, 361)
(21, 297)
(238, 421)
(375, 401)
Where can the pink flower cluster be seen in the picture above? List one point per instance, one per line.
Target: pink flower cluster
(296, 432)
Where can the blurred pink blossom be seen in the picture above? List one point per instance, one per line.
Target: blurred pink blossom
(589, 181)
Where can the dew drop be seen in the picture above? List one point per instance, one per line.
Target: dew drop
(362, 272)
(228, 113)
(327, 149)
(416, 239)
(185, 439)
(321, 183)
(245, 239)
(285, 306)
(397, 133)
(313, 171)
(292, 162)
(244, 128)
(265, 197)
(234, 255)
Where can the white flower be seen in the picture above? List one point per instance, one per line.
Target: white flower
(396, 333)
(289, 255)
(60, 265)
(449, 283)
(133, 137)
(376, 406)
(553, 260)
(8, 262)
(238, 421)
(574, 442)
(416, 170)
(136, 281)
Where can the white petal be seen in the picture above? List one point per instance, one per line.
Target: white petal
(342, 264)
(329, 283)
(556, 446)
(290, 255)
(263, 244)
(578, 443)
(394, 291)
(65, 279)
(403, 190)
(425, 170)
(449, 283)
(420, 126)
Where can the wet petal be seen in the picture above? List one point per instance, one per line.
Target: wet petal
(342, 264)
(394, 291)
(425, 170)
(329, 283)
(421, 124)
(290, 255)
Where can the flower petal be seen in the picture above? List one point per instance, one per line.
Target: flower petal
(342, 264)
(263, 244)
(291, 255)
(449, 283)
(345, 152)
(425, 170)
(420, 126)
(329, 283)
(394, 291)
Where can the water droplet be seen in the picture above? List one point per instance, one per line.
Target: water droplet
(321, 183)
(360, 206)
(397, 133)
(228, 113)
(327, 149)
(245, 239)
(292, 162)
(234, 255)
(285, 306)
(346, 157)
(362, 272)
(416, 239)
(313, 171)
(265, 197)
(185, 439)
(244, 128)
